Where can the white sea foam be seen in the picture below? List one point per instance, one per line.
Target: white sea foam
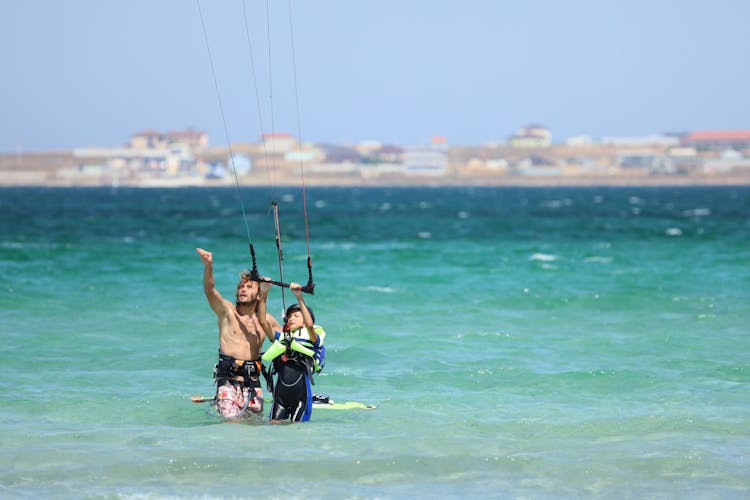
(599, 259)
(565, 202)
(634, 200)
(338, 245)
(380, 289)
(543, 257)
(697, 212)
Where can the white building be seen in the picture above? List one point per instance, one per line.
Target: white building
(425, 160)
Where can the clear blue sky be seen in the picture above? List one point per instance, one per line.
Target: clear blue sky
(78, 73)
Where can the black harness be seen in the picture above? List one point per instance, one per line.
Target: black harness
(237, 371)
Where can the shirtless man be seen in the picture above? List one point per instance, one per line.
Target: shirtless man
(241, 334)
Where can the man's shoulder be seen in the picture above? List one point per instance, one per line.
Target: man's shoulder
(228, 308)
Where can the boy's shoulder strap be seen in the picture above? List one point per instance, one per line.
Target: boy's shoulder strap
(321, 333)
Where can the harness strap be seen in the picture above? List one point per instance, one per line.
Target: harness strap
(237, 370)
(268, 376)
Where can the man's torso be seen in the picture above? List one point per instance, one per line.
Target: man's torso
(240, 336)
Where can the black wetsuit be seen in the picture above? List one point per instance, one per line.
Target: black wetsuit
(292, 392)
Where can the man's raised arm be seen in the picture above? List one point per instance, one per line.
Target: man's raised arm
(215, 300)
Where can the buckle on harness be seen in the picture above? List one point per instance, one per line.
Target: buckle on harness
(236, 370)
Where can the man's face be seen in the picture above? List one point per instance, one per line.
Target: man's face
(247, 291)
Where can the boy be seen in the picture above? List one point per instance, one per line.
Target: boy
(297, 352)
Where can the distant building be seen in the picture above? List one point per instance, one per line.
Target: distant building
(729, 161)
(390, 153)
(648, 140)
(580, 140)
(537, 166)
(240, 163)
(177, 159)
(642, 163)
(718, 140)
(439, 140)
(305, 154)
(531, 136)
(278, 142)
(154, 139)
(682, 160)
(425, 160)
(368, 147)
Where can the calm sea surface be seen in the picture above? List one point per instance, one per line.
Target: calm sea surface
(533, 343)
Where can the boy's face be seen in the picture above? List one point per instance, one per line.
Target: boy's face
(295, 320)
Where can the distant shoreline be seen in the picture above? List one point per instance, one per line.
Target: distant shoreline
(505, 181)
(185, 159)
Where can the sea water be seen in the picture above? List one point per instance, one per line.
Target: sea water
(522, 343)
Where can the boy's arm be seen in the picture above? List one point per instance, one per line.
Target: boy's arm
(261, 312)
(296, 288)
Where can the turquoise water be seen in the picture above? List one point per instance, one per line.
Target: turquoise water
(539, 343)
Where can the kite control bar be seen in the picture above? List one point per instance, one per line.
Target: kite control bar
(309, 288)
(255, 276)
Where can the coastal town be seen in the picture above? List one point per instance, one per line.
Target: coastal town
(529, 156)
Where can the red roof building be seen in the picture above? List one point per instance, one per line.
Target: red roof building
(718, 139)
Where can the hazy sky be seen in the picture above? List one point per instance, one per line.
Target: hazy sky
(79, 73)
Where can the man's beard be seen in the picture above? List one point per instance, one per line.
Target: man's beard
(247, 303)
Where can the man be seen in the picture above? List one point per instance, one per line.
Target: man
(241, 334)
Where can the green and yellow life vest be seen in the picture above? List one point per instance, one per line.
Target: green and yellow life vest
(299, 341)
